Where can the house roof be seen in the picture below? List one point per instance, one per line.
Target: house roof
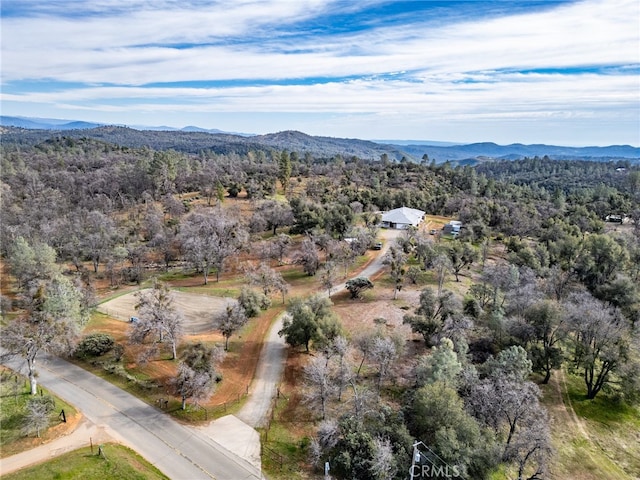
(405, 215)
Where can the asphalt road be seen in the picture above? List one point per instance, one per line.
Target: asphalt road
(180, 452)
(267, 377)
(273, 355)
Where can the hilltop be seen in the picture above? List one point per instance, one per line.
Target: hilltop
(194, 140)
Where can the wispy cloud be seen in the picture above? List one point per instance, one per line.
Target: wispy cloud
(455, 61)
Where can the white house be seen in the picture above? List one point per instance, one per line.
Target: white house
(402, 218)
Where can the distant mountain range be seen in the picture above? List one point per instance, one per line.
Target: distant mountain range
(58, 124)
(195, 139)
(487, 150)
(45, 123)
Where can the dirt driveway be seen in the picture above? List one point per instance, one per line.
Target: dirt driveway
(198, 310)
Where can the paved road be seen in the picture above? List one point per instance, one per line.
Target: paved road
(274, 351)
(180, 452)
(267, 377)
(80, 437)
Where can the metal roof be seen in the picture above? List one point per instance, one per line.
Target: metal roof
(404, 215)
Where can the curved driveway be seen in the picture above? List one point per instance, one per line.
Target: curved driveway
(181, 452)
(273, 355)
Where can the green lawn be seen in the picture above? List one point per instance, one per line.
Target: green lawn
(14, 394)
(116, 463)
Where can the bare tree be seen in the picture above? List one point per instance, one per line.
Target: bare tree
(157, 316)
(280, 246)
(268, 279)
(166, 244)
(53, 317)
(229, 321)
(557, 283)
(209, 238)
(308, 257)
(383, 352)
(37, 416)
(524, 293)
(501, 278)
(506, 404)
(328, 276)
(383, 463)
(208, 180)
(319, 377)
(197, 372)
(6, 304)
(396, 259)
(599, 337)
(273, 214)
(441, 265)
(339, 348)
(98, 236)
(531, 449)
(364, 343)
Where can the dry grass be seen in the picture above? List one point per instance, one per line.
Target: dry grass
(197, 309)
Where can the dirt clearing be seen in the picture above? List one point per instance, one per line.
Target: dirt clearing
(198, 310)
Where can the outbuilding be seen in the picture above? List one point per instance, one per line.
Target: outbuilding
(453, 228)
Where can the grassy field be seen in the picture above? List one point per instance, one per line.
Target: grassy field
(14, 394)
(593, 439)
(115, 463)
(285, 441)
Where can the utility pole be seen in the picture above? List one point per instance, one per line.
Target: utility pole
(414, 458)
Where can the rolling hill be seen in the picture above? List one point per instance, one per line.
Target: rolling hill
(192, 139)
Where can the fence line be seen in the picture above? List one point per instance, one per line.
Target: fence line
(282, 460)
(233, 399)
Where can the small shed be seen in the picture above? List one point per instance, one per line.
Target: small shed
(453, 227)
(402, 218)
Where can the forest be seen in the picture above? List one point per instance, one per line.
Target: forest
(542, 282)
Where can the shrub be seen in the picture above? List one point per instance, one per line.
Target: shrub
(94, 345)
(358, 285)
(253, 301)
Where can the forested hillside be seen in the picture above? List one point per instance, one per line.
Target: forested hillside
(195, 141)
(537, 282)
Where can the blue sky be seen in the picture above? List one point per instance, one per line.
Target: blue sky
(545, 71)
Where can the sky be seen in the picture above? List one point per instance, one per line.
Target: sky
(508, 71)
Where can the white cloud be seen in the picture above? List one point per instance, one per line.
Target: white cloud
(465, 71)
(108, 50)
